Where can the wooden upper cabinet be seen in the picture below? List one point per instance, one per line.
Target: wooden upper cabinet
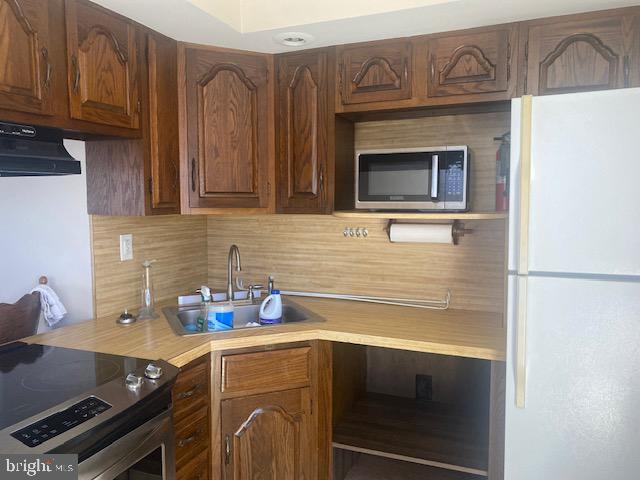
(102, 56)
(228, 128)
(268, 437)
(580, 53)
(164, 152)
(25, 62)
(303, 132)
(477, 62)
(375, 72)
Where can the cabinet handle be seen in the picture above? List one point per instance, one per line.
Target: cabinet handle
(186, 441)
(48, 67)
(189, 393)
(227, 450)
(321, 181)
(175, 175)
(626, 70)
(406, 72)
(433, 68)
(193, 174)
(76, 73)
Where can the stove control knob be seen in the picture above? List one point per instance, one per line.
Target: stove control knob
(133, 382)
(153, 371)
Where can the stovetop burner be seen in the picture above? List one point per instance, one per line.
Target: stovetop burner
(34, 378)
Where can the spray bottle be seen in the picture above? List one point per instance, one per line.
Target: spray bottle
(148, 300)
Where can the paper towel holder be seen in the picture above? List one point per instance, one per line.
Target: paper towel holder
(457, 230)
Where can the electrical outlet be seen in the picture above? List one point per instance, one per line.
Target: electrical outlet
(126, 247)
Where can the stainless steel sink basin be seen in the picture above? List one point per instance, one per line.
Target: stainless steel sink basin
(184, 319)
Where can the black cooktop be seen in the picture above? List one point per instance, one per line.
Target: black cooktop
(34, 378)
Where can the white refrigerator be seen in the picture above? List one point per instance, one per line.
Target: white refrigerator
(573, 312)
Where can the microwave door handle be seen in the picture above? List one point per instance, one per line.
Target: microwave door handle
(434, 176)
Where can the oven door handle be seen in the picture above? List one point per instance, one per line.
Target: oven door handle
(125, 452)
(435, 172)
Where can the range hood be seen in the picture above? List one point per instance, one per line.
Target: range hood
(27, 151)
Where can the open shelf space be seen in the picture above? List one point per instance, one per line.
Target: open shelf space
(429, 433)
(359, 466)
(362, 214)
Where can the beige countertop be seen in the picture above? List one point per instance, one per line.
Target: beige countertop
(450, 332)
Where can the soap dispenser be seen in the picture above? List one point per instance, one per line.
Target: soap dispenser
(147, 308)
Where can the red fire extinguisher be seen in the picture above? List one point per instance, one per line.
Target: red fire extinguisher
(502, 172)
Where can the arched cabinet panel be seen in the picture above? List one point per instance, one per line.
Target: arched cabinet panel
(25, 61)
(102, 61)
(471, 63)
(375, 72)
(228, 128)
(268, 436)
(303, 124)
(582, 53)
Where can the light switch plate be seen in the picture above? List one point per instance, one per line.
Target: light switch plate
(126, 247)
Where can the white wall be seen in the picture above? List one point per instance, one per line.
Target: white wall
(44, 230)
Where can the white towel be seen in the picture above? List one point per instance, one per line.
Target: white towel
(52, 308)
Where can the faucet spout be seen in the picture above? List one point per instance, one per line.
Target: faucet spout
(234, 251)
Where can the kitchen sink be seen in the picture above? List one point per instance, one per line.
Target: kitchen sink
(184, 319)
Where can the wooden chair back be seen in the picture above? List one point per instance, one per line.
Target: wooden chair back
(19, 320)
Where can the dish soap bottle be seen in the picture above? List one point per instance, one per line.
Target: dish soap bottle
(148, 300)
(271, 309)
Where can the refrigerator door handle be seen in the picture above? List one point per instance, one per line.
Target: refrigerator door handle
(521, 342)
(525, 185)
(523, 250)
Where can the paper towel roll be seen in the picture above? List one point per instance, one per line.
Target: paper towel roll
(421, 233)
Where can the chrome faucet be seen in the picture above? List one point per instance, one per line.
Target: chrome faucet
(233, 251)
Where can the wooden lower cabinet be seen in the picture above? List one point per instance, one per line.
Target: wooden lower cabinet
(271, 415)
(191, 419)
(268, 436)
(196, 469)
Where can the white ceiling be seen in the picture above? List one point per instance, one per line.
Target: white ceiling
(252, 24)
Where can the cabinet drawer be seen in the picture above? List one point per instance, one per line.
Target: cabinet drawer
(249, 373)
(192, 437)
(195, 469)
(191, 392)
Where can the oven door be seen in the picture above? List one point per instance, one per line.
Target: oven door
(146, 453)
(399, 179)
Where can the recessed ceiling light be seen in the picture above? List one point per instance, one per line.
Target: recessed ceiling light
(293, 39)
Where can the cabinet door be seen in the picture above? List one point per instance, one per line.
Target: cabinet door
(471, 63)
(25, 63)
(102, 62)
(375, 72)
(576, 54)
(303, 125)
(163, 124)
(228, 129)
(268, 437)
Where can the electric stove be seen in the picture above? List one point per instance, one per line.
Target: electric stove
(62, 400)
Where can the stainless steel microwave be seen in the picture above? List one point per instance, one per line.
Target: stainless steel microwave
(426, 178)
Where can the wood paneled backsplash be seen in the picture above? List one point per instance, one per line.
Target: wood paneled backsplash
(178, 243)
(310, 253)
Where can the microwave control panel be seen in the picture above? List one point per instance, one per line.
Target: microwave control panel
(453, 178)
